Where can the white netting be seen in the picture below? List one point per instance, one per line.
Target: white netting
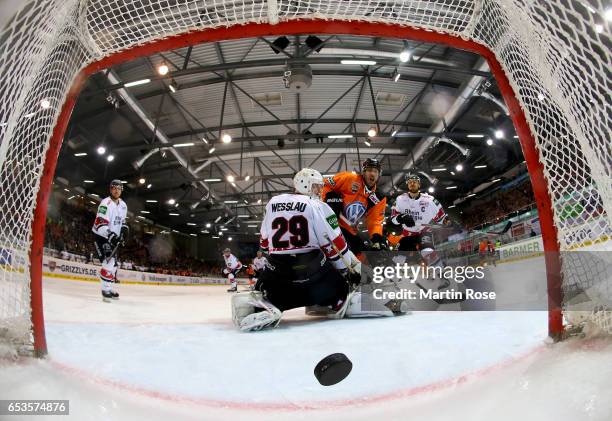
(556, 57)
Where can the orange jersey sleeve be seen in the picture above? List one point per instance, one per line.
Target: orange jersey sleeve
(335, 183)
(375, 217)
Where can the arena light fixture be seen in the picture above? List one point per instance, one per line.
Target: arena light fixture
(208, 225)
(110, 158)
(205, 140)
(229, 238)
(480, 166)
(191, 224)
(496, 180)
(173, 87)
(226, 138)
(193, 235)
(340, 136)
(247, 178)
(397, 77)
(258, 201)
(81, 154)
(451, 187)
(88, 181)
(474, 135)
(393, 133)
(144, 211)
(101, 150)
(136, 83)
(438, 169)
(367, 143)
(431, 190)
(372, 132)
(211, 180)
(151, 201)
(499, 134)
(162, 69)
(231, 178)
(183, 145)
(171, 201)
(359, 62)
(404, 56)
(243, 216)
(173, 214)
(142, 180)
(149, 186)
(451, 206)
(490, 142)
(229, 202)
(458, 167)
(211, 150)
(215, 237)
(471, 195)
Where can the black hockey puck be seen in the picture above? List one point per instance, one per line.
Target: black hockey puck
(333, 369)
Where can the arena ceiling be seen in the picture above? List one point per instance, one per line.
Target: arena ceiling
(168, 131)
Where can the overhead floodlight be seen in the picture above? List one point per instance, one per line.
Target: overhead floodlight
(173, 214)
(183, 145)
(458, 167)
(340, 136)
(475, 135)
(397, 77)
(151, 201)
(226, 138)
(142, 181)
(173, 86)
(451, 187)
(208, 225)
(171, 201)
(499, 134)
(205, 140)
(247, 178)
(229, 202)
(88, 181)
(110, 158)
(367, 143)
(404, 56)
(149, 185)
(279, 44)
(231, 178)
(163, 69)
(211, 150)
(393, 133)
(211, 180)
(136, 83)
(229, 238)
(258, 201)
(372, 132)
(359, 62)
(101, 150)
(431, 190)
(81, 154)
(490, 142)
(438, 169)
(480, 166)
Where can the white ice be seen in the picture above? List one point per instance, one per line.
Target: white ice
(171, 352)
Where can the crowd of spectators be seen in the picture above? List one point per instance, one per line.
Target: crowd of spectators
(68, 235)
(499, 205)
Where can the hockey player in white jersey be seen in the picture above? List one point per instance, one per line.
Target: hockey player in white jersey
(412, 214)
(259, 262)
(110, 232)
(309, 261)
(231, 269)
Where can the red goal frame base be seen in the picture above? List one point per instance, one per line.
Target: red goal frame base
(302, 27)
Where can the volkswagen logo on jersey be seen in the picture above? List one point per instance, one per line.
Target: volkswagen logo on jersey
(354, 212)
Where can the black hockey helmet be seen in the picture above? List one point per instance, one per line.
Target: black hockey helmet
(116, 183)
(412, 176)
(371, 163)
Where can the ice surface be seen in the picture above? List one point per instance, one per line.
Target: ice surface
(171, 352)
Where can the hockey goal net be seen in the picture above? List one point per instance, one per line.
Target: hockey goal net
(551, 59)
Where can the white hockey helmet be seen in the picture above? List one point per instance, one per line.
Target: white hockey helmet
(305, 179)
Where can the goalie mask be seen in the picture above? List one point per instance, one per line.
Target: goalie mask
(308, 182)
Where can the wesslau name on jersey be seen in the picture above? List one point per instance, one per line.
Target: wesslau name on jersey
(288, 207)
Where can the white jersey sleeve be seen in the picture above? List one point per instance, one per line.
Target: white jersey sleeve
(101, 223)
(260, 262)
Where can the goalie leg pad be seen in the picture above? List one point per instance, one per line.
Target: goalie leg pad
(251, 312)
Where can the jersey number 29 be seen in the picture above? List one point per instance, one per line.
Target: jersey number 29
(298, 228)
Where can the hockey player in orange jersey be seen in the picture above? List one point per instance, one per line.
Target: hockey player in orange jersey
(353, 197)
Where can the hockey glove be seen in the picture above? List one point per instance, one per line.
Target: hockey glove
(406, 219)
(125, 232)
(113, 239)
(379, 242)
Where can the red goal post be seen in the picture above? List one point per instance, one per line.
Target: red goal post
(544, 57)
